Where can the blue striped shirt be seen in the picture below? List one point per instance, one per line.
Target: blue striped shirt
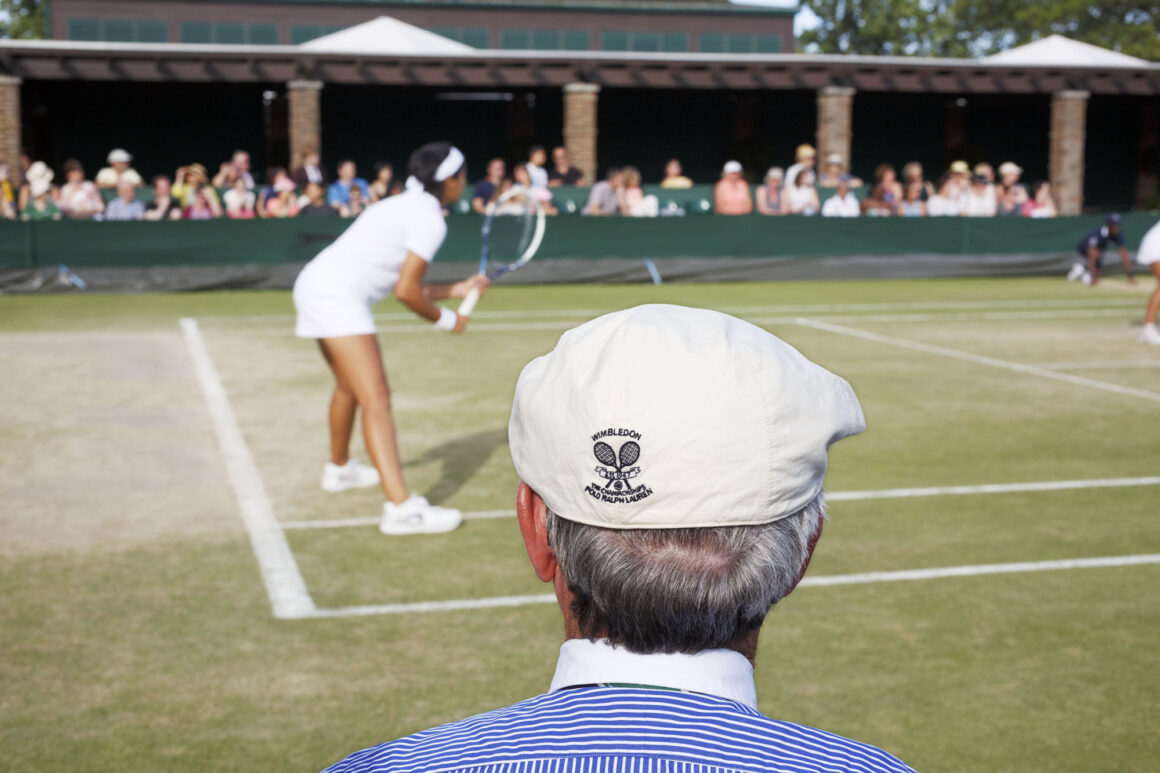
(604, 729)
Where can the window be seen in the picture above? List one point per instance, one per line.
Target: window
(546, 40)
(229, 32)
(518, 39)
(300, 33)
(152, 31)
(768, 44)
(614, 41)
(577, 40)
(675, 41)
(711, 42)
(118, 30)
(196, 32)
(264, 34)
(646, 41)
(476, 37)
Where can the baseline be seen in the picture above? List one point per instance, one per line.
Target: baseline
(280, 573)
(861, 578)
(834, 496)
(979, 359)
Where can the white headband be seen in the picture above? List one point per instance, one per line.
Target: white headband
(450, 165)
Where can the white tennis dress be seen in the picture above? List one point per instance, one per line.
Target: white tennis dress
(1149, 251)
(335, 291)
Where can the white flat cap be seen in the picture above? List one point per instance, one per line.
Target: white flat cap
(662, 417)
(119, 156)
(732, 166)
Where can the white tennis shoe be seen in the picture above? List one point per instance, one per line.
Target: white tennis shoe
(1077, 271)
(418, 516)
(1149, 334)
(353, 474)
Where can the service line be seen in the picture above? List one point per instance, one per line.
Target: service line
(862, 578)
(978, 359)
(833, 496)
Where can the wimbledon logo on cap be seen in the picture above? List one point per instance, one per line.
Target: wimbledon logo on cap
(617, 470)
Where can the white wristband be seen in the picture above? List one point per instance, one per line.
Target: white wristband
(447, 320)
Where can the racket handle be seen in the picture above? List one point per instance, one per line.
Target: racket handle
(469, 302)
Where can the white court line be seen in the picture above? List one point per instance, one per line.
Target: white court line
(835, 496)
(862, 578)
(339, 523)
(809, 308)
(567, 323)
(979, 359)
(284, 584)
(1094, 365)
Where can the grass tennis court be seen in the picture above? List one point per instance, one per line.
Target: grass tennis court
(138, 628)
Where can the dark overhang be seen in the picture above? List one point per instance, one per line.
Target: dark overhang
(139, 62)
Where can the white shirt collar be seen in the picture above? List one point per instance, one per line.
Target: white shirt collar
(723, 673)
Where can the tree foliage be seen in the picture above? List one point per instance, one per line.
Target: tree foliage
(23, 19)
(979, 27)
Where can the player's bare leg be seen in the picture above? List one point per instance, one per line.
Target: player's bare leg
(358, 364)
(1148, 333)
(1093, 266)
(341, 414)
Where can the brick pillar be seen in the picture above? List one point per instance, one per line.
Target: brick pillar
(305, 118)
(835, 111)
(9, 120)
(580, 126)
(1068, 134)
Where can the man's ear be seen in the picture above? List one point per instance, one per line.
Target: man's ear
(532, 514)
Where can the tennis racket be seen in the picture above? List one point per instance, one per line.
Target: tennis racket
(513, 228)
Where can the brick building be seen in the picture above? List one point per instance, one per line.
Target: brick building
(1088, 126)
(676, 26)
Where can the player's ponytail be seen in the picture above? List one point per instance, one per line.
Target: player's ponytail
(432, 165)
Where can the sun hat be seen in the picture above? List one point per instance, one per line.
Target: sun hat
(661, 417)
(197, 170)
(119, 156)
(39, 171)
(960, 167)
(732, 167)
(38, 187)
(805, 151)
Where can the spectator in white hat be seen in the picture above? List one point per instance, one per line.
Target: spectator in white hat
(805, 157)
(671, 463)
(118, 170)
(731, 195)
(1010, 194)
(770, 197)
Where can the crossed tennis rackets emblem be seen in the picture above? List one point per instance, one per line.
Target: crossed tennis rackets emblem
(618, 477)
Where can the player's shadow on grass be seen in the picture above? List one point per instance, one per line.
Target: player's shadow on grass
(461, 459)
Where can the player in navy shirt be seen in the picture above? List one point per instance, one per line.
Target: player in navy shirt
(1091, 249)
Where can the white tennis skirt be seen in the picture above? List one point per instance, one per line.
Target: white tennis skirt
(1149, 251)
(330, 308)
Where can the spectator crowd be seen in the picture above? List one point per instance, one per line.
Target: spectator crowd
(33, 192)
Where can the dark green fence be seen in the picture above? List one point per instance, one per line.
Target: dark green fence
(80, 243)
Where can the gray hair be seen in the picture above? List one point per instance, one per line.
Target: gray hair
(681, 590)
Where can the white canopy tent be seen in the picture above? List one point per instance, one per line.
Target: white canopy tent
(384, 35)
(1061, 51)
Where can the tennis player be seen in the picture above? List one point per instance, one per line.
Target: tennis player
(1091, 252)
(386, 248)
(1149, 256)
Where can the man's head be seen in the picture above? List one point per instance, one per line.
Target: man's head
(672, 463)
(347, 170)
(1112, 221)
(127, 192)
(731, 171)
(161, 187)
(241, 160)
(560, 157)
(673, 168)
(615, 176)
(844, 184)
(310, 157)
(73, 171)
(496, 169)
